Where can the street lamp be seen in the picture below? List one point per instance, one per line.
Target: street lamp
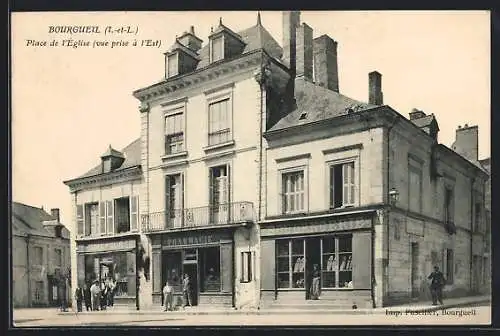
(393, 196)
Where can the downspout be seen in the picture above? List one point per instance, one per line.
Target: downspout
(386, 265)
(472, 180)
(233, 266)
(373, 263)
(28, 267)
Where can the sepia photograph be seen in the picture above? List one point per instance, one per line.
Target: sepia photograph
(250, 168)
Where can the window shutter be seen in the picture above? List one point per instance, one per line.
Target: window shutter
(79, 220)
(134, 213)
(210, 186)
(167, 200)
(228, 184)
(249, 263)
(109, 217)
(226, 253)
(80, 269)
(361, 260)
(102, 217)
(331, 186)
(182, 188)
(267, 264)
(131, 276)
(88, 220)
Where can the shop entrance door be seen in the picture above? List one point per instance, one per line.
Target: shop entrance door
(192, 270)
(313, 257)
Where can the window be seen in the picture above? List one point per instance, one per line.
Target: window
(91, 218)
(291, 263)
(449, 266)
(333, 255)
(38, 256)
(477, 218)
(246, 267)
(174, 199)
(58, 258)
(217, 49)
(219, 122)
(122, 214)
(172, 65)
(342, 185)
(292, 186)
(449, 206)
(219, 193)
(174, 132)
(415, 188)
(210, 269)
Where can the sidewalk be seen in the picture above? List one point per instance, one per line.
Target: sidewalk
(413, 307)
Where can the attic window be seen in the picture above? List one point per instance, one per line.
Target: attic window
(303, 116)
(217, 49)
(172, 65)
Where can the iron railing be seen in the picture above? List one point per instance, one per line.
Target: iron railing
(222, 214)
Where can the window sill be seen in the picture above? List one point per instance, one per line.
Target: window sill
(178, 155)
(212, 148)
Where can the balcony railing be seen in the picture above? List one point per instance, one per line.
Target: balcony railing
(222, 214)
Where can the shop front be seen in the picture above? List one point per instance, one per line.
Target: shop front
(327, 260)
(206, 257)
(109, 259)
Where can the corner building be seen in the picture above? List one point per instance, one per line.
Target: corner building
(252, 167)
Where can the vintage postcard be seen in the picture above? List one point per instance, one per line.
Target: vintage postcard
(250, 168)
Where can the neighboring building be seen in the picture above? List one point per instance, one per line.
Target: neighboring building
(105, 204)
(40, 257)
(486, 163)
(251, 167)
(333, 164)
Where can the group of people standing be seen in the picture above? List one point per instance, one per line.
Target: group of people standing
(97, 296)
(168, 294)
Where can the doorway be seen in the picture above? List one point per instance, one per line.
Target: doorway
(191, 269)
(313, 257)
(415, 286)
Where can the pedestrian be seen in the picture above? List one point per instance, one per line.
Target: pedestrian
(186, 291)
(79, 298)
(62, 295)
(96, 293)
(168, 296)
(437, 283)
(104, 295)
(87, 297)
(315, 286)
(111, 292)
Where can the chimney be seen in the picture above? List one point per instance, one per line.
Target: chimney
(416, 114)
(291, 20)
(304, 50)
(375, 88)
(325, 62)
(467, 142)
(55, 213)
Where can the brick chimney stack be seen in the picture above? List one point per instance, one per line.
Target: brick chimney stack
(325, 62)
(375, 96)
(304, 50)
(416, 114)
(467, 142)
(291, 21)
(55, 213)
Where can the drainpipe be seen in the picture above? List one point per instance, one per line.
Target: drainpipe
(472, 180)
(388, 202)
(28, 267)
(373, 263)
(233, 266)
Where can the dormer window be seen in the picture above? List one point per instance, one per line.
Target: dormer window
(172, 65)
(217, 49)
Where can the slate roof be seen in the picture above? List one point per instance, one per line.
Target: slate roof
(112, 152)
(255, 37)
(27, 219)
(132, 154)
(317, 103)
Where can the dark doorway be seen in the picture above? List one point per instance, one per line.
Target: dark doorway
(192, 270)
(313, 257)
(415, 286)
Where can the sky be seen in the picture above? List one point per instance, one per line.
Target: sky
(70, 104)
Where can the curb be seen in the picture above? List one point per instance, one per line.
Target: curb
(281, 312)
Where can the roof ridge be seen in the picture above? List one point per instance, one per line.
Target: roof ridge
(28, 205)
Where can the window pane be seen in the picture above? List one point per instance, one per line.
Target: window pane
(283, 264)
(210, 269)
(345, 244)
(329, 245)
(297, 246)
(217, 49)
(284, 280)
(282, 247)
(328, 279)
(172, 65)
